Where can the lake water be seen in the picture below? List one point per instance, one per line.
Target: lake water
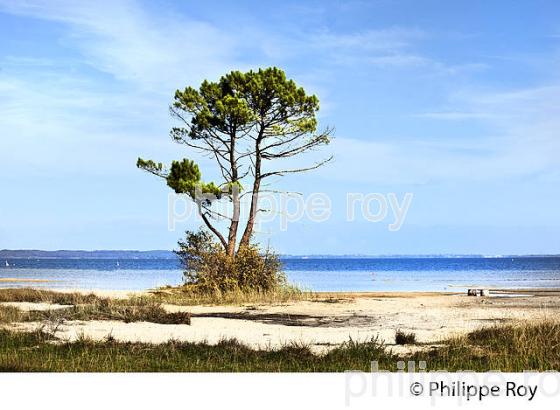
(318, 274)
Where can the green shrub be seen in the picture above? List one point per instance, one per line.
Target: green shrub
(209, 270)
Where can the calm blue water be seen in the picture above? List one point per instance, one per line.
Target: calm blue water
(318, 274)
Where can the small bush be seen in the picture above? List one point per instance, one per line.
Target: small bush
(403, 338)
(209, 270)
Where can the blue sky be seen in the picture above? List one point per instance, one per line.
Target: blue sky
(456, 102)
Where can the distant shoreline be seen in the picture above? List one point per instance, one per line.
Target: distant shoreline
(165, 254)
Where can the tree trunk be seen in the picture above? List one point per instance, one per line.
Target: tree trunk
(232, 236)
(246, 238)
(248, 233)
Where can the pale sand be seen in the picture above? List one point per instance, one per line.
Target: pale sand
(327, 323)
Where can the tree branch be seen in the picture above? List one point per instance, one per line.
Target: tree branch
(211, 227)
(293, 171)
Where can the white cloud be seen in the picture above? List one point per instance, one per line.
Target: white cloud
(56, 118)
(405, 163)
(393, 47)
(119, 38)
(521, 139)
(387, 40)
(454, 115)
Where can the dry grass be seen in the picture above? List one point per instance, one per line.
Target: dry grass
(180, 295)
(86, 307)
(108, 310)
(11, 314)
(523, 346)
(45, 296)
(403, 338)
(187, 296)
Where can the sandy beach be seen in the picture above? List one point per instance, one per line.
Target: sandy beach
(326, 322)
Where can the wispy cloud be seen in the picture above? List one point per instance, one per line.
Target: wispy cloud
(394, 47)
(507, 109)
(394, 164)
(63, 126)
(389, 47)
(388, 40)
(57, 107)
(524, 134)
(120, 38)
(454, 115)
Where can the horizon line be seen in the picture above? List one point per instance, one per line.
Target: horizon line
(339, 255)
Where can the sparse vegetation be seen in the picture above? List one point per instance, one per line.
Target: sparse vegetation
(86, 307)
(186, 295)
(45, 296)
(528, 346)
(512, 348)
(189, 295)
(104, 310)
(509, 349)
(10, 314)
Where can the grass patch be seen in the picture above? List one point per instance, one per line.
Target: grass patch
(188, 295)
(10, 314)
(45, 296)
(107, 310)
(86, 307)
(512, 348)
(403, 338)
(180, 295)
(149, 313)
(29, 352)
(505, 348)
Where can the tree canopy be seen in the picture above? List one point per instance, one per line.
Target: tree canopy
(245, 122)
